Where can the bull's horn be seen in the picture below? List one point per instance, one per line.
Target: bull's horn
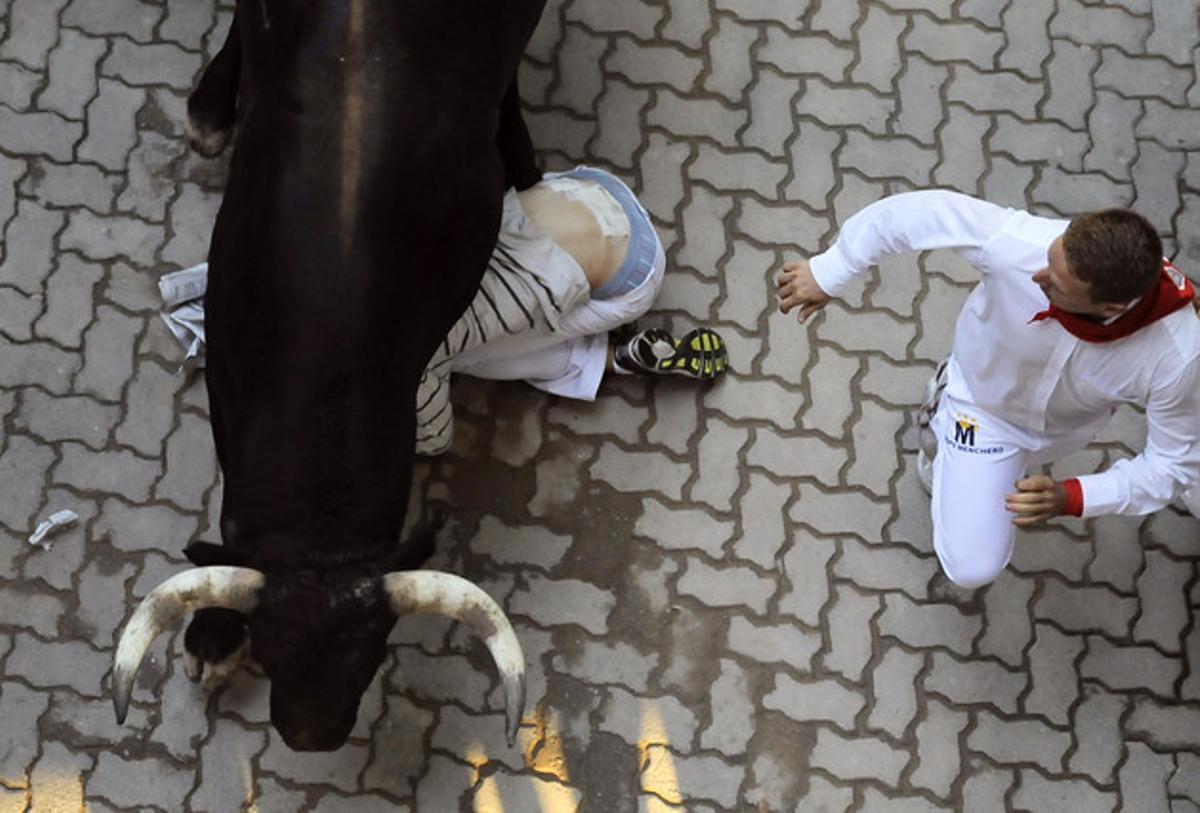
(428, 591)
(234, 588)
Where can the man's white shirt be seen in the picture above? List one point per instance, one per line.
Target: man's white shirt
(1052, 390)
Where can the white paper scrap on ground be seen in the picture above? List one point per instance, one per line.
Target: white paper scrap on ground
(57, 521)
(181, 292)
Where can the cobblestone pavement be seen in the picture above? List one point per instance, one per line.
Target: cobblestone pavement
(727, 597)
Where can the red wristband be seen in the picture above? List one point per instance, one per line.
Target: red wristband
(1074, 506)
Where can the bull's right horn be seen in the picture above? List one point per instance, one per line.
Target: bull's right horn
(429, 591)
(234, 588)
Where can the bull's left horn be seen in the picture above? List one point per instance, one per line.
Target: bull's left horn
(428, 591)
(234, 588)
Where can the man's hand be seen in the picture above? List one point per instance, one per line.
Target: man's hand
(797, 288)
(1037, 499)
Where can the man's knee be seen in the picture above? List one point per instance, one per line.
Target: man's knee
(973, 559)
(975, 572)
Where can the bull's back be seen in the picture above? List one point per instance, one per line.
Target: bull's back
(364, 199)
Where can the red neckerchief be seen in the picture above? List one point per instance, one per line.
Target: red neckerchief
(1173, 292)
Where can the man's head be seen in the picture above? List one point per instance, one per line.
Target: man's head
(1102, 262)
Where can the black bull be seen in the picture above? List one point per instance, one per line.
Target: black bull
(374, 142)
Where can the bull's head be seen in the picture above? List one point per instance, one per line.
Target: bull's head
(320, 644)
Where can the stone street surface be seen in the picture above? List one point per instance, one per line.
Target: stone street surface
(727, 596)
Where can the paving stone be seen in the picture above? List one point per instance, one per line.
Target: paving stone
(746, 294)
(927, 625)
(144, 528)
(879, 65)
(522, 545)
(780, 225)
(676, 419)
(71, 185)
(653, 64)
(1051, 549)
(639, 471)
(866, 331)
(20, 707)
(32, 31)
(829, 376)
(1175, 532)
(664, 720)
(683, 529)
(1175, 32)
(825, 700)
(974, 683)
(618, 16)
(1069, 98)
(703, 215)
(150, 409)
(37, 363)
(1186, 781)
(109, 472)
(102, 600)
(187, 23)
(69, 292)
(938, 760)
(961, 166)
(875, 463)
(1142, 77)
(919, 89)
(763, 532)
(1162, 590)
(190, 464)
(771, 123)
(823, 795)
(729, 50)
(849, 623)
(28, 247)
(839, 512)
(22, 463)
(1018, 741)
(835, 18)
(1129, 667)
(192, 216)
(702, 777)
(89, 722)
(605, 415)
(699, 118)
(986, 790)
(732, 715)
(844, 107)
(398, 742)
(48, 664)
(601, 663)
(1143, 778)
(133, 18)
(72, 418)
(185, 723)
(108, 354)
(557, 602)
(943, 41)
(888, 158)
(149, 185)
(106, 238)
(1093, 25)
(1166, 727)
(1052, 661)
(812, 181)
(577, 61)
(1042, 141)
(1027, 45)
(857, 757)
(339, 769)
(57, 779)
(795, 455)
(17, 85)
(805, 567)
(1035, 792)
(1007, 183)
(1084, 609)
(11, 172)
(17, 313)
(990, 91)
(662, 176)
(335, 803)
(773, 643)
(893, 685)
(111, 129)
(718, 465)
(725, 586)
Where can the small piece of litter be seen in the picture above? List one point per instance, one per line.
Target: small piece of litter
(184, 315)
(59, 519)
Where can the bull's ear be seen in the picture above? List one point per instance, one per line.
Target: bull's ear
(204, 554)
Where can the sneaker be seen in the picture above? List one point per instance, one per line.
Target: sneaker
(700, 354)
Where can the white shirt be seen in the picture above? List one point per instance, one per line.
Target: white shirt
(1050, 388)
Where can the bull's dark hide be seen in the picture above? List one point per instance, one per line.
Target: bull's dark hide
(374, 143)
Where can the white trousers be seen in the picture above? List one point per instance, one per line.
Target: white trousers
(978, 463)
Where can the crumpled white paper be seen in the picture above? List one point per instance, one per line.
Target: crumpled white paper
(57, 521)
(181, 292)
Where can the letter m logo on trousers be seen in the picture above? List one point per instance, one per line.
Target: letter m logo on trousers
(964, 432)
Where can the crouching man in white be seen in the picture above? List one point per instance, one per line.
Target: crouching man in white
(576, 258)
(1071, 319)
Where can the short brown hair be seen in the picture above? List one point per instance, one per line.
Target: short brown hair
(1116, 252)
